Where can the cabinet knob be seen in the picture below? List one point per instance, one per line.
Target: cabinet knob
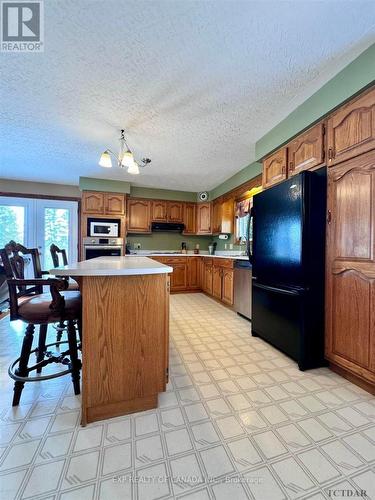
(291, 165)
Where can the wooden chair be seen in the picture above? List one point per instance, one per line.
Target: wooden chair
(29, 304)
(72, 285)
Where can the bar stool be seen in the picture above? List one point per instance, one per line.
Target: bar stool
(29, 304)
(73, 285)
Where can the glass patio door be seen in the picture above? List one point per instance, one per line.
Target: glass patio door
(38, 223)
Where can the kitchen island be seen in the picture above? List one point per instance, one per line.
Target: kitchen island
(125, 333)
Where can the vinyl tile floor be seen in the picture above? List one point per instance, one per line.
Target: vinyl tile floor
(238, 421)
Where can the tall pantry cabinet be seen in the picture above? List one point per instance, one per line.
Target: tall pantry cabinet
(350, 259)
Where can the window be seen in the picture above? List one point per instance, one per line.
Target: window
(243, 207)
(242, 228)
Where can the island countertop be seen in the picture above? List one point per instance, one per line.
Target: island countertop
(113, 266)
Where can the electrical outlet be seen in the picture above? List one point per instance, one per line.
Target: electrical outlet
(231, 246)
(137, 246)
(225, 246)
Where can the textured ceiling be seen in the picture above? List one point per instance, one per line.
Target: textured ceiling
(194, 83)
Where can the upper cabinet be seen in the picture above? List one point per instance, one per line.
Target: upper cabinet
(95, 202)
(216, 215)
(139, 216)
(306, 151)
(222, 216)
(204, 218)
(175, 211)
(275, 168)
(114, 204)
(159, 210)
(351, 129)
(190, 218)
(92, 202)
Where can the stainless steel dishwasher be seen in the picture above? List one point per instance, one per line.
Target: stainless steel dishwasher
(242, 288)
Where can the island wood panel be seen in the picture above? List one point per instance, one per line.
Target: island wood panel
(125, 330)
(351, 129)
(307, 150)
(350, 277)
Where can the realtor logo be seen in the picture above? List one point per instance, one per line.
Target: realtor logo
(22, 26)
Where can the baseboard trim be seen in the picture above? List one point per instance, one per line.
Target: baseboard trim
(363, 384)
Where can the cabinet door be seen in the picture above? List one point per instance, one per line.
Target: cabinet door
(227, 216)
(139, 216)
(274, 168)
(178, 277)
(306, 151)
(175, 211)
(159, 210)
(204, 218)
(190, 218)
(114, 204)
(208, 279)
(351, 129)
(227, 284)
(216, 282)
(92, 202)
(192, 272)
(216, 216)
(350, 297)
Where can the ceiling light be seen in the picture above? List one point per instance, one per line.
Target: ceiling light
(105, 160)
(125, 158)
(133, 169)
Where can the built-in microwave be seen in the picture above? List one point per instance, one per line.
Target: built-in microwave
(103, 227)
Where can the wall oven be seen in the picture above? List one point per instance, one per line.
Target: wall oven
(103, 227)
(102, 247)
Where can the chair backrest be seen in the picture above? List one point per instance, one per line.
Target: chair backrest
(55, 250)
(14, 266)
(14, 255)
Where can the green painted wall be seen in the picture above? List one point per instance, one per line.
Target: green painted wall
(162, 194)
(353, 78)
(237, 179)
(92, 184)
(167, 241)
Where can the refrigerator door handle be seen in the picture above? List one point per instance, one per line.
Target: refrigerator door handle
(248, 246)
(277, 290)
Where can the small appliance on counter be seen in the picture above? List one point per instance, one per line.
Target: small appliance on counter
(196, 249)
(103, 227)
(102, 247)
(183, 247)
(212, 248)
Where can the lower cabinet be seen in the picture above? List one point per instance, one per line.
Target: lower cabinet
(194, 273)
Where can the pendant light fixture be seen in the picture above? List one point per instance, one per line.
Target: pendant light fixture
(125, 158)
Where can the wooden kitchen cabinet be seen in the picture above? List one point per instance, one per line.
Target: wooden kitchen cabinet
(159, 211)
(92, 202)
(351, 129)
(204, 218)
(98, 203)
(216, 215)
(114, 204)
(227, 286)
(306, 151)
(192, 273)
(227, 216)
(175, 211)
(190, 218)
(179, 275)
(275, 168)
(139, 214)
(350, 265)
(216, 282)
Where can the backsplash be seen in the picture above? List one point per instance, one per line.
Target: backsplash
(169, 241)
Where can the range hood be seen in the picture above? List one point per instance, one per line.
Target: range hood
(170, 227)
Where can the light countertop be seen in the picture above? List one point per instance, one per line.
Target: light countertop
(179, 254)
(113, 266)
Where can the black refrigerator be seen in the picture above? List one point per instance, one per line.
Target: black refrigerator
(288, 267)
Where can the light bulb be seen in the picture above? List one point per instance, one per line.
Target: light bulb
(133, 169)
(105, 160)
